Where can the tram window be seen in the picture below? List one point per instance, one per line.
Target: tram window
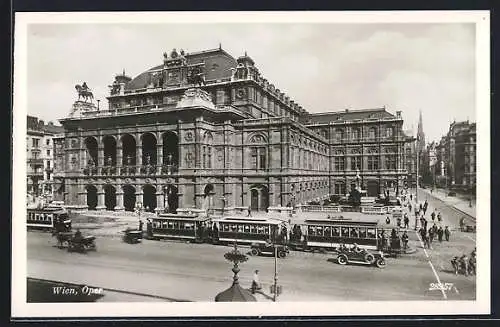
(327, 232)
(370, 233)
(36, 216)
(226, 228)
(253, 229)
(260, 230)
(240, 228)
(319, 231)
(246, 228)
(335, 231)
(345, 232)
(188, 226)
(354, 232)
(362, 233)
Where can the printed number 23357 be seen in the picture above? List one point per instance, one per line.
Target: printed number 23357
(440, 286)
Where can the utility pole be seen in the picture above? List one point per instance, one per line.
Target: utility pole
(275, 295)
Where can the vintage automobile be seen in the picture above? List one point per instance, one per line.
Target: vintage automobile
(132, 236)
(259, 248)
(360, 256)
(82, 244)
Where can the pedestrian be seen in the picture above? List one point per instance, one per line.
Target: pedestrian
(387, 220)
(255, 282)
(404, 238)
(409, 207)
(411, 196)
(421, 207)
(433, 215)
(439, 216)
(249, 211)
(406, 220)
(140, 224)
(149, 228)
(440, 233)
(447, 233)
(399, 222)
(431, 234)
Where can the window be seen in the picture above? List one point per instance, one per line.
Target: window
(355, 134)
(356, 163)
(35, 143)
(389, 132)
(372, 162)
(48, 142)
(372, 134)
(207, 157)
(48, 152)
(258, 158)
(48, 164)
(339, 163)
(339, 134)
(390, 162)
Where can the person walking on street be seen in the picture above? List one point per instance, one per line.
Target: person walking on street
(387, 220)
(255, 282)
(433, 215)
(406, 221)
(446, 233)
(439, 216)
(431, 234)
(440, 233)
(404, 238)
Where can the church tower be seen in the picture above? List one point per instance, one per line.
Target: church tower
(420, 134)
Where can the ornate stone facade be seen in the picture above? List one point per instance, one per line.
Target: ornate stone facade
(205, 130)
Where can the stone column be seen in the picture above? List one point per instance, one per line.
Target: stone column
(138, 155)
(82, 195)
(138, 195)
(100, 155)
(119, 155)
(159, 156)
(160, 199)
(119, 199)
(100, 199)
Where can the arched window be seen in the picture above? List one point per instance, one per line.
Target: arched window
(389, 132)
(372, 134)
(355, 133)
(339, 134)
(258, 157)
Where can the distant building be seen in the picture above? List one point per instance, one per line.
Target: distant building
(410, 157)
(40, 156)
(457, 156)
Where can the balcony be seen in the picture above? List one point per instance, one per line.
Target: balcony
(131, 170)
(35, 162)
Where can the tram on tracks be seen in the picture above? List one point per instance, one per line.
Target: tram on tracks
(47, 218)
(184, 227)
(330, 234)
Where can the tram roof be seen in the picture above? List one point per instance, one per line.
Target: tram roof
(167, 216)
(256, 220)
(48, 210)
(346, 222)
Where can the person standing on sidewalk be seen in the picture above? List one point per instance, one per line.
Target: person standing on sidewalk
(255, 282)
(433, 215)
(406, 221)
(404, 238)
(446, 233)
(439, 216)
(440, 233)
(431, 234)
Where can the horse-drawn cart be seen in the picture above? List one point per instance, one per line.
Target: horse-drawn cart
(83, 244)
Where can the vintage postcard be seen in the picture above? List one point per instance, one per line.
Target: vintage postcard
(306, 163)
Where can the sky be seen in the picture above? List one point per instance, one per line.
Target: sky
(322, 67)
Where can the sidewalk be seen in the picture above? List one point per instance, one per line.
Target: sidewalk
(459, 204)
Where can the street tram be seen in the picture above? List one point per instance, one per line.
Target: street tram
(329, 234)
(185, 227)
(47, 218)
(246, 230)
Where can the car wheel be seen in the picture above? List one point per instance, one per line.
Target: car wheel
(254, 251)
(380, 263)
(342, 259)
(282, 254)
(369, 258)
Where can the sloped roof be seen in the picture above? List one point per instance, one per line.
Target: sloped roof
(347, 114)
(235, 293)
(218, 64)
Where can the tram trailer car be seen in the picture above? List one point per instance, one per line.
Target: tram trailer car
(46, 218)
(182, 227)
(252, 231)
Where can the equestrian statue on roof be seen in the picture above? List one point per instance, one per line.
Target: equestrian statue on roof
(84, 92)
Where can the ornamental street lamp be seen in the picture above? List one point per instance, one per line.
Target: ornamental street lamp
(138, 209)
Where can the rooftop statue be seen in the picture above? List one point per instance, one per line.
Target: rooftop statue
(84, 92)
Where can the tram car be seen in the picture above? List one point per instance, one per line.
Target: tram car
(247, 230)
(183, 227)
(48, 218)
(329, 234)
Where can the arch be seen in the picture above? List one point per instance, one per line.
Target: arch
(149, 198)
(148, 149)
(257, 138)
(372, 188)
(129, 197)
(109, 143)
(128, 150)
(170, 148)
(91, 147)
(91, 197)
(208, 138)
(171, 198)
(109, 197)
(208, 196)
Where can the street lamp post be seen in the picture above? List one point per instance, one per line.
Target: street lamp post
(138, 209)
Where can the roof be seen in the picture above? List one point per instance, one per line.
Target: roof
(346, 222)
(347, 114)
(249, 220)
(235, 293)
(218, 64)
